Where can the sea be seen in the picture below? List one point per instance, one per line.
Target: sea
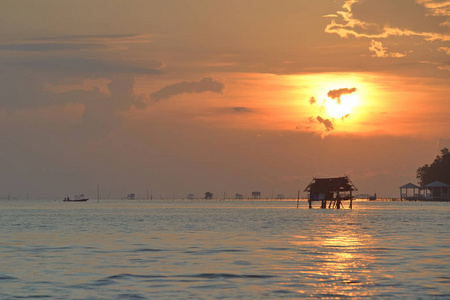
(197, 249)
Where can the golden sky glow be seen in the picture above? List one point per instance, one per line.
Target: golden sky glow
(174, 76)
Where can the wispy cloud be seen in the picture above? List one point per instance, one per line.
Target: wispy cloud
(241, 109)
(379, 51)
(330, 16)
(350, 26)
(205, 85)
(76, 42)
(88, 66)
(39, 47)
(445, 49)
(436, 8)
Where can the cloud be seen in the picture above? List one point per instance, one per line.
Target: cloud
(241, 109)
(104, 108)
(326, 122)
(321, 107)
(73, 43)
(385, 18)
(88, 67)
(380, 51)
(444, 49)
(444, 67)
(436, 8)
(336, 94)
(205, 85)
(40, 47)
(104, 113)
(99, 38)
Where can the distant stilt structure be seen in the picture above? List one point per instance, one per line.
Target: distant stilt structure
(256, 195)
(335, 190)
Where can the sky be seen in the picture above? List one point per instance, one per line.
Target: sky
(228, 96)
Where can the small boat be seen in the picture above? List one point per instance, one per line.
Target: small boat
(77, 198)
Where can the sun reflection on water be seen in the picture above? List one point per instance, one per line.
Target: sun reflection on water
(334, 265)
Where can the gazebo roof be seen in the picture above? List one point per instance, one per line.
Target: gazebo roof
(437, 184)
(409, 186)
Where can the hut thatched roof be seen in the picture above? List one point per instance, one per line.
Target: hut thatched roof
(335, 184)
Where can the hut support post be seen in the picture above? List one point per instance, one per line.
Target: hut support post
(351, 201)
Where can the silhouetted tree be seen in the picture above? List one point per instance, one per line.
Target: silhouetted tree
(438, 170)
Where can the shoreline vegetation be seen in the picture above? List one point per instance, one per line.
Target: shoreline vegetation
(439, 170)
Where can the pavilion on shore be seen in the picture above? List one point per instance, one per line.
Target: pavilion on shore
(434, 191)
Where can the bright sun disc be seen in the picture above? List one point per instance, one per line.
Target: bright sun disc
(337, 110)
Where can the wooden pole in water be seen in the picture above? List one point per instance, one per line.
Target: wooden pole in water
(298, 197)
(98, 193)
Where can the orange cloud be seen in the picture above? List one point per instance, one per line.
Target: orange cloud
(380, 51)
(350, 26)
(445, 49)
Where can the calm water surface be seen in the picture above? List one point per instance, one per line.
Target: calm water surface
(223, 250)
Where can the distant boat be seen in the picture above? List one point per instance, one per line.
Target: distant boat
(374, 197)
(78, 198)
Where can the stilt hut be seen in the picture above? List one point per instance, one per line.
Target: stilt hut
(335, 190)
(256, 195)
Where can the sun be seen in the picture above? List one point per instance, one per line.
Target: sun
(339, 109)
